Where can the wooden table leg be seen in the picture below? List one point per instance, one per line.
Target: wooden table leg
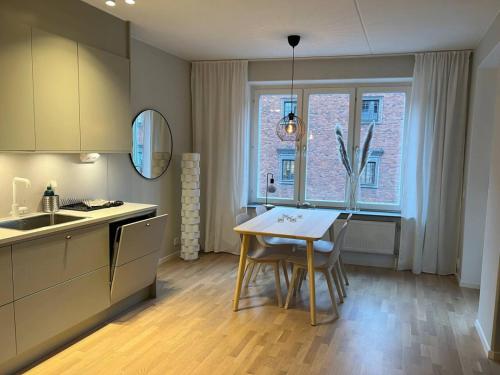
(312, 286)
(241, 270)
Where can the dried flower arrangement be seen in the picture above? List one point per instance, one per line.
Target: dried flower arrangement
(355, 168)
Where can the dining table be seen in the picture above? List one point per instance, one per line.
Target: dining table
(308, 225)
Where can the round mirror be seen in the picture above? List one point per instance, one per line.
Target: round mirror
(151, 144)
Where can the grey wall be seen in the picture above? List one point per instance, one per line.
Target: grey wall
(162, 82)
(333, 68)
(73, 19)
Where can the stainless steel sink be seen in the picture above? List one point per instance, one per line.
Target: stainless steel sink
(39, 221)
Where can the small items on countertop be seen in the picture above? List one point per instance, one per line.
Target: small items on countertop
(50, 200)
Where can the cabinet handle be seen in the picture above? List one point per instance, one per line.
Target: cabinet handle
(68, 237)
(148, 225)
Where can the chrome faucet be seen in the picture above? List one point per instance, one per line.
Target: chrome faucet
(15, 209)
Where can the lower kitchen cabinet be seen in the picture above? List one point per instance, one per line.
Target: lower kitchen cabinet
(42, 263)
(42, 315)
(6, 294)
(7, 332)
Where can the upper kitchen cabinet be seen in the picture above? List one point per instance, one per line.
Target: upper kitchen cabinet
(55, 86)
(104, 101)
(17, 129)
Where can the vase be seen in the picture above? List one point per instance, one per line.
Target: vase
(352, 203)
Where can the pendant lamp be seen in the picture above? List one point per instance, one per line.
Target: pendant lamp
(291, 127)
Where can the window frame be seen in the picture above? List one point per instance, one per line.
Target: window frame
(302, 92)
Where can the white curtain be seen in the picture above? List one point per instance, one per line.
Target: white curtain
(434, 148)
(220, 129)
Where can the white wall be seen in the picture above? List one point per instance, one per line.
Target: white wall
(488, 313)
(159, 81)
(333, 68)
(481, 114)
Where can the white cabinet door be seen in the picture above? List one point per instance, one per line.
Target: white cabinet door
(17, 128)
(6, 294)
(55, 80)
(43, 315)
(7, 333)
(105, 120)
(136, 254)
(44, 262)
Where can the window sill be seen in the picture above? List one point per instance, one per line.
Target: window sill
(362, 212)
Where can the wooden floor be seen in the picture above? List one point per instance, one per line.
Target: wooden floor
(391, 323)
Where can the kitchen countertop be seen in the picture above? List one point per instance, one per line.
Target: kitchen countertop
(9, 236)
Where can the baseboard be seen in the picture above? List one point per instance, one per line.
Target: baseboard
(482, 337)
(168, 257)
(371, 260)
(463, 284)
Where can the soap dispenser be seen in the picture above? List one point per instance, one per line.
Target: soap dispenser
(50, 200)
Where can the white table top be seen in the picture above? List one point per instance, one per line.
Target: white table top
(310, 224)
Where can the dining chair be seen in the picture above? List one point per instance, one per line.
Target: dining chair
(340, 275)
(269, 241)
(326, 262)
(260, 254)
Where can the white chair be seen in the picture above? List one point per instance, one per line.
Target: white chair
(326, 262)
(322, 246)
(260, 254)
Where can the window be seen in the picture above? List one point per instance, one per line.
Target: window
(286, 159)
(289, 106)
(370, 175)
(370, 110)
(311, 170)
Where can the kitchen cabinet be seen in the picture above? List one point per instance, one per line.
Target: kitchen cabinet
(47, 261)
(43, 315)
(136, 253)
(17, 128)
(5, 276)
(55, 87)
(7, 332)
(105, 120)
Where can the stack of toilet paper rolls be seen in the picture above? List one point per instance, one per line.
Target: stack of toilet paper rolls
(190, 227)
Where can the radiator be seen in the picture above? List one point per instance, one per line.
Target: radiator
(369, 237)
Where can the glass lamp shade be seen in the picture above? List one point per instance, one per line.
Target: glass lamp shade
(290, 128)
(271, 188)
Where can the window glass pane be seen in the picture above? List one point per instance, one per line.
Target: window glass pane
(380, 181)
(325, 174)
(275, 156)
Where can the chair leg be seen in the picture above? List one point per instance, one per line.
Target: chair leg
(337, 284)
(276, 267)
(328, 277)
(341, 281)
(259, 266)
(292, 287)
(249, 276)
(342, 268)
(285, 272)
(301, 279)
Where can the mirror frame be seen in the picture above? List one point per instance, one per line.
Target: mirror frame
(171, 145)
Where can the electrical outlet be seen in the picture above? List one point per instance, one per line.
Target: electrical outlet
(176, 241)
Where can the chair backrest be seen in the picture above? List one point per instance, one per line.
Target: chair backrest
(259, 210)
(339, 241)
(241, 218)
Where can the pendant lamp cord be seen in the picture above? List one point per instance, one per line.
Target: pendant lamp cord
(293, 73)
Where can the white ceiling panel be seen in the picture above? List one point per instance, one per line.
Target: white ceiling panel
(425, 25)
(223, 29)
(235, 29)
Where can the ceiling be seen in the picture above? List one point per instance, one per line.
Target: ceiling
(254, 29)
